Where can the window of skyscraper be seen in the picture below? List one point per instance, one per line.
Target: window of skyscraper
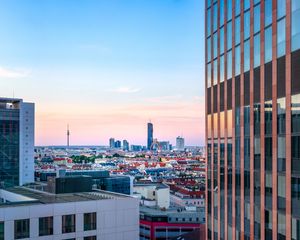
(268, 12)
(281, 226)
(222, 40)
(208, 22)
(215, 72)
(247, 56)
(208, 3)
(229, 35)
(246, 4)
(208, 49)
(256, 19)
(215, 44)
(237, 7)
(237, 60)
(268, 44)
(209, 75)
(215, 17)
(256, 50)
(229, 10)
(295, 25)
(221, 12)
(229, 64)
(281, 38)
(247, 25)
(281, 6)
(222, 68)
(237, 30)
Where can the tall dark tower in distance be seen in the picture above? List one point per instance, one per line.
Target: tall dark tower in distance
(68, 136)
(150, 135)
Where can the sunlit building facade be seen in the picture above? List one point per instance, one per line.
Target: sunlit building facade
(253, 119)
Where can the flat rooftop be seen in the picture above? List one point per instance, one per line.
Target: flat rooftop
(29, 196)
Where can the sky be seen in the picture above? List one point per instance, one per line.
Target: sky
(106, 68)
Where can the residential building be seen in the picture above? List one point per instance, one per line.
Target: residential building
(253, 119)
(16, 142)
(149, 135)
(153, 195)
(180, 143)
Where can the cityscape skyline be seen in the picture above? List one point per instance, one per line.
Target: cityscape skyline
(106, 86)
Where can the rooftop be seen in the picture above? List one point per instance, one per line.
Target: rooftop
(17, 196)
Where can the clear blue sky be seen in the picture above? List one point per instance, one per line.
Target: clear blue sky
(106, 67)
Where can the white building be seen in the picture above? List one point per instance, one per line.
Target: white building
(180, 143)
(153, 195)
(17, 145)
(31, 214)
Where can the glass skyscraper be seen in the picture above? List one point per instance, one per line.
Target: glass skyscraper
(16, 142)
(253, 119)
(149, 135)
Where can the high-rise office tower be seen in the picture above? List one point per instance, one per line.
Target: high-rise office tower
(180, 143)
(125, 145)
(16, 142)
(149, 135)
(118, 144)
(111, 143)
(253, 119)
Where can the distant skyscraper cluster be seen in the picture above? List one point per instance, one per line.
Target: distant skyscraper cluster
(152, 143)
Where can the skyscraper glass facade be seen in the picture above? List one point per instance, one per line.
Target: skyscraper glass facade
(253, 119)
(9, 146)
(149, 135)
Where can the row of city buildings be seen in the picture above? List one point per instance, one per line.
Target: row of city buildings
(152, 143)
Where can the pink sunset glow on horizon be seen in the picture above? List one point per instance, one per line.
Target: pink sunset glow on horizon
(95, 124)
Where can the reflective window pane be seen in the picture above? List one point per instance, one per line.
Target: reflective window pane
(281, 6)
(247, 25)
(295, 25)
(222, 68)
(215, 44)
(229, 10)
(237, 30)
(222, 40)
(247, 56)
(246, 4)
(268, 44)
(208, 22)
(281, 38)
(237, 7)
(256, 50)
(221, 12)
(229, 35)
(215, 17)
(268, 12)
(208, 49)
(229, 65)
(237, 60)
(256, 19)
